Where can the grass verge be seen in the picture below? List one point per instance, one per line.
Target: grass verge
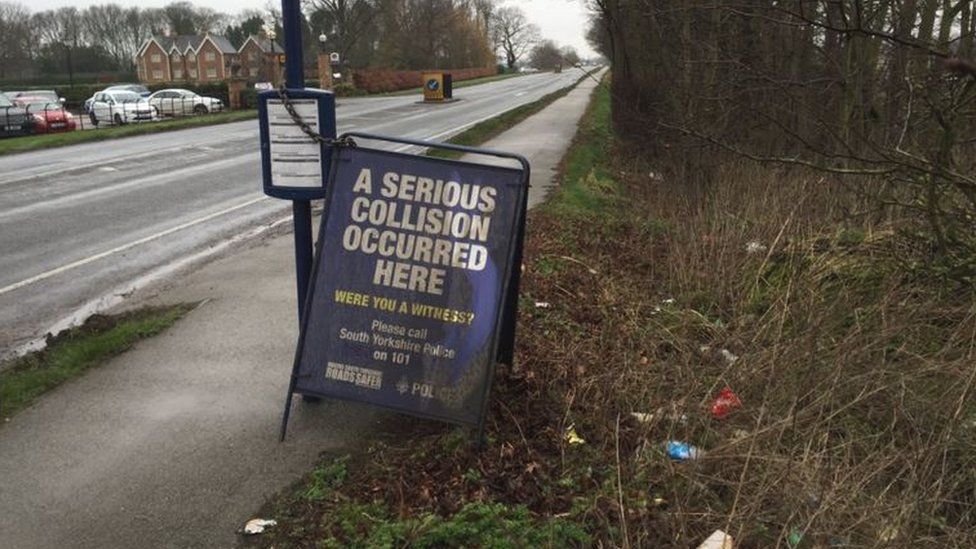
(73, 352)
(485, 130)
(35, 142)
(854, 424)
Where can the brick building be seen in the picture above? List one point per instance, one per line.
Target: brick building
(205, 58)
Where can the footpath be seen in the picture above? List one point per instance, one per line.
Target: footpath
(174, 443)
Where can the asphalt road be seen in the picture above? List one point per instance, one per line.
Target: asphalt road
(82, 226)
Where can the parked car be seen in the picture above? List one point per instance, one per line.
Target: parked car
(178, 102)
(13, 119)
(120, 107)
(46, 110)
(137, 88)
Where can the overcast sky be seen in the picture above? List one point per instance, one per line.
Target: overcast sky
(561, 20)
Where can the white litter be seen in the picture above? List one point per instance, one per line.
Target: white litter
(668, 301)
(728, 356)
(756, 248)
(542, 305)
(643, 417)
(257, 526)
(718, 540)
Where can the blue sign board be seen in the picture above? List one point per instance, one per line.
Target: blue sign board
(413, 273)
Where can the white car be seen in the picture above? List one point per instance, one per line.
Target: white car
(177, 102)
(119, 107)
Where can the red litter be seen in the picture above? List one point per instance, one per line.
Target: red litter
(725, 403)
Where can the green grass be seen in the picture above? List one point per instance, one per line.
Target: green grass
(483, 131)
(477, 524)
(35, 142)
(70, 354)
(461, 84)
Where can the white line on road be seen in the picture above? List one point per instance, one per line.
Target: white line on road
(147, 181)
(124, 247)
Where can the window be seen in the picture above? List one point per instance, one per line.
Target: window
(253, 71)
(211, 73)
(157, 74)
(191, 57)
(210, 56)
(193, 73)
(155, 58)
(175, 56)
(177, 73)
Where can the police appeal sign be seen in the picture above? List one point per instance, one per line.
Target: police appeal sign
(414, 258)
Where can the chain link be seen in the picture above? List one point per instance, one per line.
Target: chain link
(306, 128)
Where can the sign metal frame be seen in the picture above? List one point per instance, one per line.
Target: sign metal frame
(503, 335)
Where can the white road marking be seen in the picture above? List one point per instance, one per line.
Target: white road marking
(91, 259)
(120, 293)
(73, 199)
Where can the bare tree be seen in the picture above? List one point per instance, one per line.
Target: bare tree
(15, 39)
(546, 55)
(513, 33)
(569, 55)
(344, 22)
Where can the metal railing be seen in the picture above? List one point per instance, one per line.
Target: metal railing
(40, 118)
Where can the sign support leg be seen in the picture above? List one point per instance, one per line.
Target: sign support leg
(506, 346)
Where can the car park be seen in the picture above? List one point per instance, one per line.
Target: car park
(14, 120)
(46, 111)
(120, 107)
(180, 102)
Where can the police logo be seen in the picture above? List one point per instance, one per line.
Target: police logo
(433, 84)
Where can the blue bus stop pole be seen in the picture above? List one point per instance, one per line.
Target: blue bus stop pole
(291, 16)
(301, 209)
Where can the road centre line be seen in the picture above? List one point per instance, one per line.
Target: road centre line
(91, 259)
(164, 176)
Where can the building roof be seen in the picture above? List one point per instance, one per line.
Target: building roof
(265, 44)
(223, 44)
(192, 42)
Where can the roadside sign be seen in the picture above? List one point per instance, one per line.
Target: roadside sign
(294, 165)
(334, 57)
(414, 277)
(433, 86)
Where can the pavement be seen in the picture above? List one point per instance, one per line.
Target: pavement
(174, 443)
(83, 226)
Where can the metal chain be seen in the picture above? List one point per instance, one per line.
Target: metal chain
(307, 129)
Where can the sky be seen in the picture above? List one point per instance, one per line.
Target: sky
(561, 20)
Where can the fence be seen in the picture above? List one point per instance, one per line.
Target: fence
(40, 117)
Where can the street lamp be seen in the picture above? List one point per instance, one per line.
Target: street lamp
(271, 34)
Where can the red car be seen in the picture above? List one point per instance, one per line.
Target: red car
(47, 113)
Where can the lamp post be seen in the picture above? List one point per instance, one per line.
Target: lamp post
(271, 34)
(324, 66)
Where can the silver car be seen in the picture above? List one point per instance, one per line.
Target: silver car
(120, 107)
(178, 102)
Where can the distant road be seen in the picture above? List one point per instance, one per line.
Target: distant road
(81, 223)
